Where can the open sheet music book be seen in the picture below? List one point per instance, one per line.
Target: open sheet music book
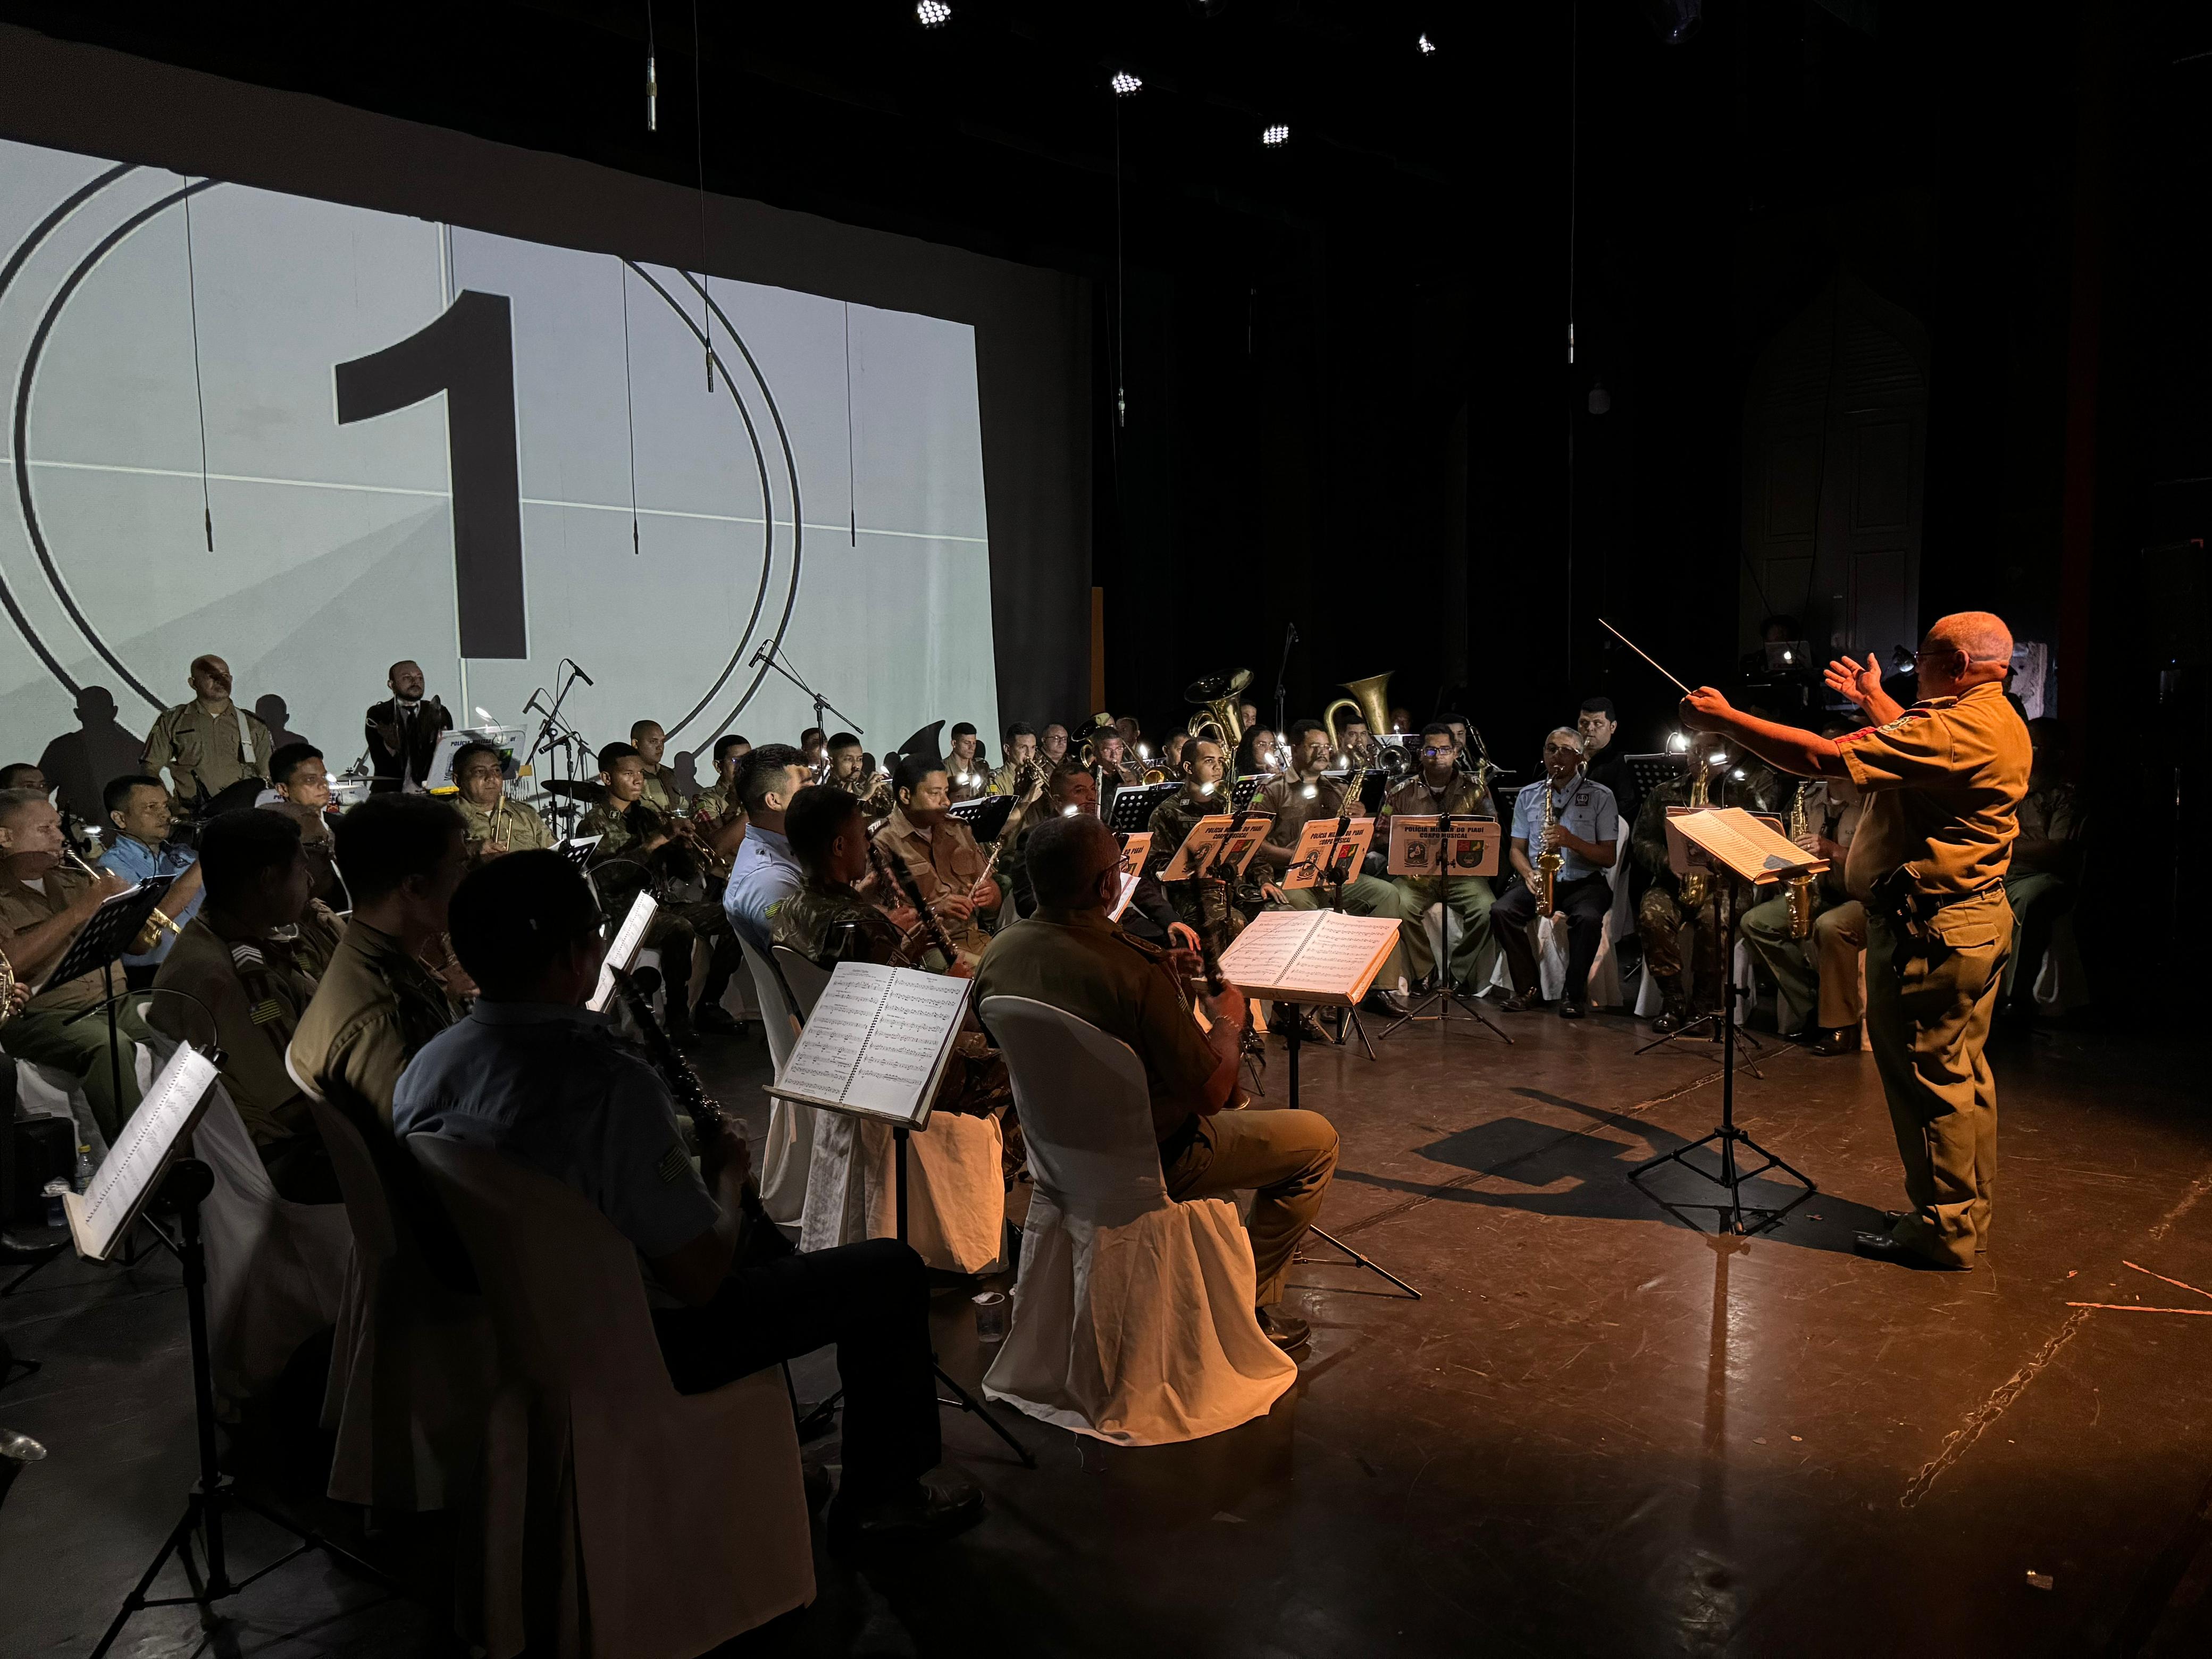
(100, 1216)
(877, 1043)
(622, 955)
(1736, 839)
(1310, 956)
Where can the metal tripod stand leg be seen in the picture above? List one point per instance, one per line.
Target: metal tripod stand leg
(1444, 1000)
(1360, 1260)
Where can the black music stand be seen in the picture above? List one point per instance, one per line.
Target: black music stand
(96, 949)
(986, 816)
(1446, 996)
(1133, 804)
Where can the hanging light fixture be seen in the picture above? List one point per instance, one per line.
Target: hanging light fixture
(1275, 136)
(932, 14)
(1125, 84)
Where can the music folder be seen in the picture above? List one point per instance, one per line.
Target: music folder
(622, 954)
(1218, 845)
(100, 1215)
(1323, 853)
(1419, 846)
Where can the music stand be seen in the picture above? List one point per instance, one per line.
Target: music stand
(1710, 1027)
(1133, 806)
(1446, 996)
(986, 816)
(98, 945)
(1728, 1218)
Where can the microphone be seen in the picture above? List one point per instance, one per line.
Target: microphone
(761, 656)
(531, 707)
(577, 669)
(1291, 634)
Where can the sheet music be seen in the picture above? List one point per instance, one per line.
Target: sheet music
(876, 1042)
(1122, 899)
(1319, 842)
(630, 939)
(1136, 848)
(104, 1212)
(1731, 836)
(1417, 846)
(1310, 956)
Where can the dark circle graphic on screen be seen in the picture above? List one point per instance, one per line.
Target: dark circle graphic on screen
(26, 376)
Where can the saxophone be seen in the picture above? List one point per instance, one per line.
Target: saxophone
(1799, 889)
(149, 936)
(1549, 860)
(1697, 883)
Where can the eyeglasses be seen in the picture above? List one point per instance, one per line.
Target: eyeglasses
(1437, 754)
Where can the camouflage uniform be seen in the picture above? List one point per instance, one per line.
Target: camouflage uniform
(505, 820)
(1364, 895)
(1227, 905)
(1659, 915)
(662, 791)
(623, 832)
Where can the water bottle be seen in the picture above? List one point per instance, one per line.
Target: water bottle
(55, 1216)
(83, 1181)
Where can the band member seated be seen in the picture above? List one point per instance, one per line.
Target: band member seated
(1355, 743)
(967, 775)
(941, 854)
(302, 783)
(1022, 772)
(765, 873)
(45, 902)
(1438, 788)
(853, 770)
(2045, 871)
(1584, 832)
(1225, 906)
(402, 732)
(535, 1077)
(1817, 977)
(716, 808)
(1258, 754)
(1112, 752)
(829, 920)
(1053, 744)
(814, 744)
(1727, 780)
(640, 847)
(139, 849)
(24, 775)
(1070, 956)
(663, 791)
(1151, 914)
(497, 825)
(248, 966)
(1604, 761)
(383, 998)
(1300, 795)
(208, 744)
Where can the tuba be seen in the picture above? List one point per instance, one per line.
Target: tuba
(1799, 890)
(1216, 696)
(1369, 701)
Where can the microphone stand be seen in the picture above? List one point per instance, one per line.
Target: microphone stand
(1282, 676)
(555, 736)
(769, 654)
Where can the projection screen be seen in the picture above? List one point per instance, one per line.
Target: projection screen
(410, 440)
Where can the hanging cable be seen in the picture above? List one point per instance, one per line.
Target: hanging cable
(652, 80)
(852, 489)
(629, 409)
(199, 394)
(699, 143)
(1574, 182)
(1120, 287)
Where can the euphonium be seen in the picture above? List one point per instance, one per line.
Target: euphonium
(151, 934)
(1697, 883)
(1548, 860)
(1217, 717)
(1799, 892)
(1370, 700)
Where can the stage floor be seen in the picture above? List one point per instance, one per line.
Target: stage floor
(1600, 1432)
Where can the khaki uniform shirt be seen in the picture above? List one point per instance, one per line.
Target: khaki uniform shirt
(979, 769)
(948, 859)
(255, 992)
(506, 820)
(375, 1010)
(202, 750)
(1083, 964)
(1943, 783)
(23, 907)
(1285, 798)
(1460, 799)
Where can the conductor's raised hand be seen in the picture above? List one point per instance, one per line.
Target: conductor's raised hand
(1705, 710)
(1860, 681)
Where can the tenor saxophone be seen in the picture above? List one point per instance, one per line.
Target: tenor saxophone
(1800, 893)
(1548, 860)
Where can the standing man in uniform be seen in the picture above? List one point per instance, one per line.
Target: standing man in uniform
(1440, 788)
(208, 744)
(1942, 781)
(402, 732)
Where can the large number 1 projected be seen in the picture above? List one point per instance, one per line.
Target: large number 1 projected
(468, 354)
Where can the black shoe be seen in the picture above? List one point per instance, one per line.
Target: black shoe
(1284, 1330)
(1845, 1040)
(923, 1512)
(713, 1016)
(1881, 1247)
(1310, 1029)
(1387, 1002)
(1570, 1008)
(1670, 1021)
(1521, 1001)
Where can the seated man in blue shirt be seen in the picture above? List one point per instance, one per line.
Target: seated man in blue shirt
(533, 1075)
(137, 834)
(1584, 832)
(764, 873)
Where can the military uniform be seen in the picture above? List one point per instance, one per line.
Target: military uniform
(373, 1010)
(1816, 977)
(255, 992)
(1285, 799)
(320, 847)
(946, 860)
(622, 831)
(978, 770)
(1083, 964)
(877, 797)
(207, 753)
(1467, 897)
(663, 790)
(47, 1030)
(505, 820)
(677, 923)
(1943, 783)
(1660, 913)
(1227, 905)
(718, 803)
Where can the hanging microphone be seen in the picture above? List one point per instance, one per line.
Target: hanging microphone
(576, 669)
(531, 707)
(761, 656)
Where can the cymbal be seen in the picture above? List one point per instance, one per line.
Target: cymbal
(582, 789)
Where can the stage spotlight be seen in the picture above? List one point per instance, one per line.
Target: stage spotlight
(932, 14)
(1125, 84)
(1428, 46)
(1276, 136)
(1678, 743)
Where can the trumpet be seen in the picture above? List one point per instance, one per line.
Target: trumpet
(151, 934)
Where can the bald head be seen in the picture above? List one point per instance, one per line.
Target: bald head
(1069, 858)
(1963, 650)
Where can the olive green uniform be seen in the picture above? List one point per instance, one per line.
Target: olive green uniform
(1661, 912)
(1227, 905)
(1943, 784)
(718, 802)
(48, 1031)
(1467, 897)
(508, 821)
(662, 790)
(1815, 977)
(374, 1009)
(1285, 799)
(203, 752)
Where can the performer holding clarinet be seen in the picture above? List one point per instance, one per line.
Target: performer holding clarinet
(1942, 781)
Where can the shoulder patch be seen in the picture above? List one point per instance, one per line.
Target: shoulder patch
(246, 955)
(268, 1011)
(674, 1164)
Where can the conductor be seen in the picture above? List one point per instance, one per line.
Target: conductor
(1942, 781)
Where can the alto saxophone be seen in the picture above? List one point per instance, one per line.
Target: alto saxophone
(1697, 883)
(1799, 889)
(1548, 860)
(151, 934)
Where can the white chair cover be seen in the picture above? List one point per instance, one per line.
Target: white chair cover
(956, 1179)
(659, 1525)
(788, 1150)
(47, 1092)
(1132, 1316)
(412, 1367)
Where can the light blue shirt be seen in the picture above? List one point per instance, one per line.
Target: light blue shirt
(135, 861)
(761, 876)
(552, 1089)
(1583, 808)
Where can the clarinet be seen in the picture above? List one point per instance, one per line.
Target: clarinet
(760, 1235)
(894, 872)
